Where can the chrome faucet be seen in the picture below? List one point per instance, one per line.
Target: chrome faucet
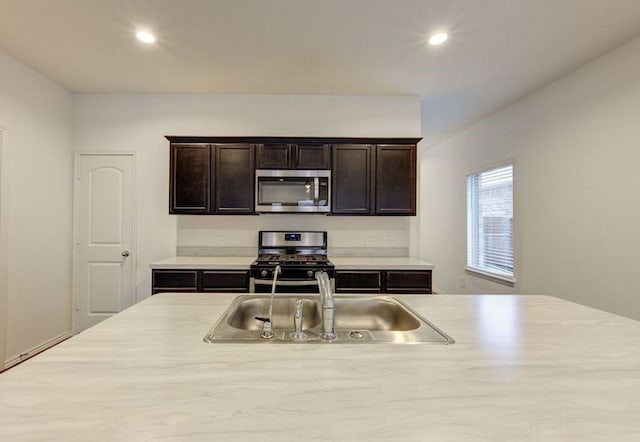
(267, 332)
(298, 334)
(327, 305)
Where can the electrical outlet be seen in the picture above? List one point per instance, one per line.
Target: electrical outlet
(370, 241)
(463, 282)
(221, 239)
(388, 241)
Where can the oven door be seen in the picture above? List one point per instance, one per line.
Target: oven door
(293, 190)
(285, 286)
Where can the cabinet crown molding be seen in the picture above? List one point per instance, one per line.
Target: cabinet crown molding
(291, 140)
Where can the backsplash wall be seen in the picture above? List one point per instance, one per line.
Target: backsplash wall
(238, 235)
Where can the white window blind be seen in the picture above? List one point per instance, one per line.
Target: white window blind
(490, 221)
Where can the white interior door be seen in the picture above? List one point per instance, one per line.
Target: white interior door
(103, 281)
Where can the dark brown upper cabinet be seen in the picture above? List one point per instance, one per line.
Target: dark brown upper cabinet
(293, 156)
(351, 179)
(273, 156)
(234, 178)
(211, 179)
(374, 180)
(216, 175)
(190, 179)
(395, 180)
(312, 156)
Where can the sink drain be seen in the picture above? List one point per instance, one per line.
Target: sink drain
(356, 335)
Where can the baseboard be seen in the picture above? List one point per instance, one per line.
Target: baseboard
(35, 350)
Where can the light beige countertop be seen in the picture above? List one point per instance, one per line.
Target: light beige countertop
(205, 262)
(378, 263)
(243, 263)
(523, 368)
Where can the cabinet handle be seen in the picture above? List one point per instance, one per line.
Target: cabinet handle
(125, 253)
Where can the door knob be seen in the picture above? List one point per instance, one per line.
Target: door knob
(125, 253)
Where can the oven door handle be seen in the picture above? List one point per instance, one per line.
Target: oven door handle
(281, 282)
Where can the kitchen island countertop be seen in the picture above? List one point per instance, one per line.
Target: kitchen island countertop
(523, 368)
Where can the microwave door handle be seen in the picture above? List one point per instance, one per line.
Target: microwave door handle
(316, 190)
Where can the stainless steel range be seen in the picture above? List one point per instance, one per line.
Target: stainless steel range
(300, 254)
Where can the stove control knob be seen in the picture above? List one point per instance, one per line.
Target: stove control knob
(309, 273)
(264, 273)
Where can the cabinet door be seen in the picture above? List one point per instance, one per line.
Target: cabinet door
(273, 156)
(234, 179)
(174, 281)
(358, 281)
(395, 178)
(225, 281)
(312, 156)
(351, 179)
(190, 179)
(408, 281)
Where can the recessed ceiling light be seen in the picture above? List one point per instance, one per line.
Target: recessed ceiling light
(438, 39)
(145, 37)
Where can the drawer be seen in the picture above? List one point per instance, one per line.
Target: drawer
(408, 281)
(176, 290)
(175, 279)
(225, 281)
(357, 281)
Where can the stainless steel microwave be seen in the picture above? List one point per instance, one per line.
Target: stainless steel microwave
(304, 191)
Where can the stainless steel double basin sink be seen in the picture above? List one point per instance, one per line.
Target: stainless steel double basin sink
(358, 319)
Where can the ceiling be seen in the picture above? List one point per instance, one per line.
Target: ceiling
(498, 50)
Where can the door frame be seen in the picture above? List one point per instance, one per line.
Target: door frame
(4, 248)
(76, 226)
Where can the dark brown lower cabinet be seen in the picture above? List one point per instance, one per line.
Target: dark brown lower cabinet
(200, 281)
(347, 281)
(174, 281)
(408, 281)
(383, 281)
(225, 281)
(358, 281)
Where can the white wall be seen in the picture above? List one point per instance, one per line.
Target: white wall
(35, 223)
(3, 258)
(576, 146)
(139, 123)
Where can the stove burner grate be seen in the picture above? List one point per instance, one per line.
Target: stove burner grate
(292, 259)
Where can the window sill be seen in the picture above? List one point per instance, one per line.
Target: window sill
(494, 277)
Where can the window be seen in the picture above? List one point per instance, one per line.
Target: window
(490, 222)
